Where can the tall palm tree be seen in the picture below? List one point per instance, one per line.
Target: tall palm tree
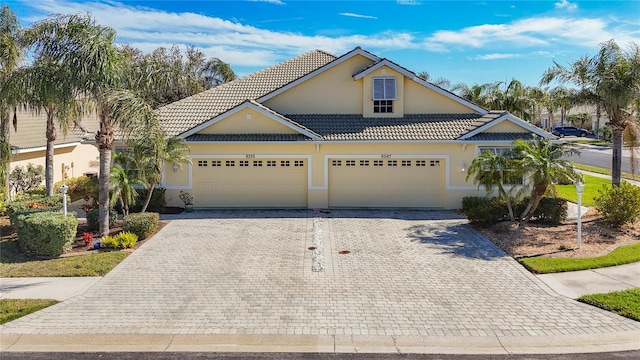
(488, 170)
(540, 163)
(95, 64)
(612, 76)
(11, 53)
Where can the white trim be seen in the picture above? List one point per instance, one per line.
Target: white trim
(243, 156)
(243, 106)
(341, 59)
(42, 148)
(507, 117)
(325, 186)
(384, 89)
(384, 62)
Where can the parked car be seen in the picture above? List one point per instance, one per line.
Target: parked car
(563, 131)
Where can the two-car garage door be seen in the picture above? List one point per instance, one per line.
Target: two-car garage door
(386, 182)
(250, 182)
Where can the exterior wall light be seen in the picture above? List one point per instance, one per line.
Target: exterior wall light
(175, 167)
(463, 167)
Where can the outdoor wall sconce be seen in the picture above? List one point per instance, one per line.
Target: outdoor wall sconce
(463, 168)
(175, 167)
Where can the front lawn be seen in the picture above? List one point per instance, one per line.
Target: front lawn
(11, 309)
(625, 302)
(87, 265)
(545, 265)
(591, 186)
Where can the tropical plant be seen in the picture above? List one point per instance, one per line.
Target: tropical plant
(11, 53)
(611, 78)
(488, 170)
(539, 161)
(91, 59)
(124, 178)
(24, 179)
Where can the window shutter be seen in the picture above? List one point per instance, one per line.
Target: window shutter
(384, 88)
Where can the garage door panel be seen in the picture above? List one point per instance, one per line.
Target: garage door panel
(386, 183)
(251, 183)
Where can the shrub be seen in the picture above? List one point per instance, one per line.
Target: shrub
(551, 210)
(93, 219)
(484, 211)
(87, 237)
(46, 233)
(618, 205)
(3, 202)
(123, 240)
(157, 203)
(27, 204)
(81, 187)
(141, 224)
(24, 179)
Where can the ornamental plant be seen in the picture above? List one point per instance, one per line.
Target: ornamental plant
(186, 198)
(88, 238)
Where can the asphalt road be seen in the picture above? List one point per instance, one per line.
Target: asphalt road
(600, 157)
(627, 355)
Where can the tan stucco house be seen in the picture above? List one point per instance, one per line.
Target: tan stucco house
(73, 156)
(322, 131)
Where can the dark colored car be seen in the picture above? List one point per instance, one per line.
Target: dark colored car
(563, 131)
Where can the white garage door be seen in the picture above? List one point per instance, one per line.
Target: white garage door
(250, 182)
(416, 183)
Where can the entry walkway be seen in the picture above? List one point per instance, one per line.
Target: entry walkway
(393, 281)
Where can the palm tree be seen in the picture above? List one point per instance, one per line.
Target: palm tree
(488, 170)
(612, 77)
(92, 61)
(152, 153)
(11, 54)
(124, 178)
(540, 163)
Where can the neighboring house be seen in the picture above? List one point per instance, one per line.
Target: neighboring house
(72, 157)
(320, 131)
(591, 124)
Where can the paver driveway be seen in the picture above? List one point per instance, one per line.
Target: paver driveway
(250, 272)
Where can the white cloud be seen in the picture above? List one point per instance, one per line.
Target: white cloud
(564, 4)
(276, 2)
(358, 15)
(408, 2)
(497, 56)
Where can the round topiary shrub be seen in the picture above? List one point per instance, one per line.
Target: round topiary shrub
(619, 204)
(46, 233)
(141, 224)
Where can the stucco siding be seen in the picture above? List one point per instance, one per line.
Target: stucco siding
(248, 122)
(506, 126)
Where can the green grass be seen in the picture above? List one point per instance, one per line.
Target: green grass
(591, 186)
(11, 309)
(13, 263)
(625, 302)
(599, 170)
(545, 265)
(592, 142)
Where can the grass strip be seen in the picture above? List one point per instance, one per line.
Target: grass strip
(11, 309)
(603, 171)
(592, 185)
(625, 302)
(87, 265)
(545, 265)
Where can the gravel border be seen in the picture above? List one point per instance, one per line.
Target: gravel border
(317, 256)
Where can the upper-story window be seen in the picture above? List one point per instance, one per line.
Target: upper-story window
(384, 92)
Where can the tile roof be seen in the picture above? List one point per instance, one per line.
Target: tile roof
(32, 126)
(502, 136)
(247, 137)
(187, 113)
(347, 127)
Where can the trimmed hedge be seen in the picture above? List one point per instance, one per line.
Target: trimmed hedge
(46, 233)
(26, 204)
(93, 219)
(80, 187)
(483, 211)
(141, 224)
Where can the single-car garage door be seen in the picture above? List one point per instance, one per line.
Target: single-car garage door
(386, 183)
(250, 182)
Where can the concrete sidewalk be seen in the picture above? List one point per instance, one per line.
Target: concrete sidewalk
(57, 288)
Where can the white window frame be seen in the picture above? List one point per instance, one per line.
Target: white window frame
(385, 96)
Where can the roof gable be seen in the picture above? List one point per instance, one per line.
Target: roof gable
(382, 63)
(235, 121)
(505, 122)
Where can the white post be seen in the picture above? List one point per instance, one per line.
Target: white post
(64, 189)
(579, 192)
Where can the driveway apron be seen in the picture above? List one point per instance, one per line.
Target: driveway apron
(382, 273)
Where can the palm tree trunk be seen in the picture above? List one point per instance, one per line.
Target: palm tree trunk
(148, 199)
(532, 208)
(508, 201)
(103, 196)
(616, 158)
(51, 138)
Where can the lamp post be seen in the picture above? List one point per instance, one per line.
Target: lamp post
(579, 192)
(63, 189)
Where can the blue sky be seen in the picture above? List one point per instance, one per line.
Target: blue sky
(463, 41)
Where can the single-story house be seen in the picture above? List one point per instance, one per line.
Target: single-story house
(325, 131)
(72, 157)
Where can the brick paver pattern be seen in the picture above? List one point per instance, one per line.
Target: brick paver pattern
(249, 272)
